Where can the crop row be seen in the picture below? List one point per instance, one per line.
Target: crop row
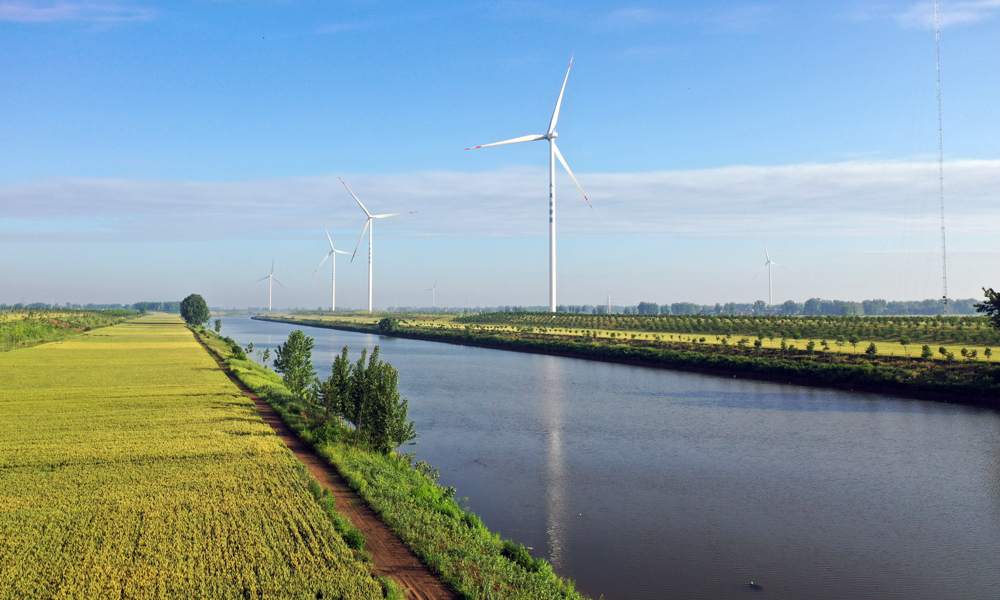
(958, 329)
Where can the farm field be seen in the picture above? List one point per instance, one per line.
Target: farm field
(131, 467)
(951, 333)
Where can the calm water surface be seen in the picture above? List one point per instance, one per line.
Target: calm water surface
(643, 483)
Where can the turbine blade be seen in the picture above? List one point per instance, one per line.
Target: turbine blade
(272, 266)
(555, 113)
(573, 177)
(524, 138)
(328, 236)
(766, 255)
(393, 214)
(324, 260)
(276, 281)
(341, 252)
(262, 278)
(355, 197)
(363, 231)
(758, 271)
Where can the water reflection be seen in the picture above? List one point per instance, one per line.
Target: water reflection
(553, 403)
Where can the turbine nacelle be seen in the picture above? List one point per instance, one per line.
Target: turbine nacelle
(552, 136)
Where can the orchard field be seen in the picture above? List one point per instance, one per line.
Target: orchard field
(131, 467)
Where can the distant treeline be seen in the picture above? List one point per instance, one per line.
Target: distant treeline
(170, 307)
(812, 307)
(167, 307)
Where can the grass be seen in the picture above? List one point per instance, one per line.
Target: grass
(130, 466)
(475, 562)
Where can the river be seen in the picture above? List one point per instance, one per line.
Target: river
(643, 483)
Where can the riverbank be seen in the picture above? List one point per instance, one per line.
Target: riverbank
(957, 381)
(452, 542)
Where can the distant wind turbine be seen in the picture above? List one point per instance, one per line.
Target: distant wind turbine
(333, 252)
(768, 264)
(433, 291)
(368, 224)
(271, 278)
(554, 153)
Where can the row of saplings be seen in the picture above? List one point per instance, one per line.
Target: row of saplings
(363, 394)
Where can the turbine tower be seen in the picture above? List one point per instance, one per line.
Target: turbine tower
(433, 291)
(554, 153)
(368, 224)
(333, 252)
(271, 278)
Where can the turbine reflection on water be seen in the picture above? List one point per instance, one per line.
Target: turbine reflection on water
(555, 460)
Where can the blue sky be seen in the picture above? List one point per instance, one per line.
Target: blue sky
(149, 150)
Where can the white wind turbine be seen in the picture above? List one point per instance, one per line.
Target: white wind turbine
(271, 278)
(333, 252)
(768, 264)
(368, 224)
(554, 153)
(433, 292)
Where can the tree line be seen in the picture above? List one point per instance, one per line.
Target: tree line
(363, 394)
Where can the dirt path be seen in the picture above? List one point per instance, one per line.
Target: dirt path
(392, 559)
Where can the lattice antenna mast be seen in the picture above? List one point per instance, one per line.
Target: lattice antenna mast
(608, 312)
(944, 254)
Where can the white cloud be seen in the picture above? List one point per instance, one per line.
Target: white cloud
(35, 11)
(921, 14)
(862, 198)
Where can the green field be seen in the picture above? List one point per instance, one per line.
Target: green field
(131, 467)
(25, 327)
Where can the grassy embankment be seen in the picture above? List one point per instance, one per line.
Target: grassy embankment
(728, 346)
(131, 467)
(23, 328)
(475, 562)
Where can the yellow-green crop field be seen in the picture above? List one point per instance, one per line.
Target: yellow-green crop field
(131, 467)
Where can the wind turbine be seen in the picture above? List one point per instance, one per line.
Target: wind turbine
(333, 252)
(271, 278)
(433, 291)
(768, 265)
(554, 153)
(368, 224)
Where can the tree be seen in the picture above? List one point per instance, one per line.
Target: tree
(374, 407)
(790, 307)
(194, 311)
(388, 325)
(332, 395)
(854, 340)
(871, 350)
(988, 353)
(991, 307)
(810, 347)
(218, 325)
(904, 341)
(926, 352)
(293, 360)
